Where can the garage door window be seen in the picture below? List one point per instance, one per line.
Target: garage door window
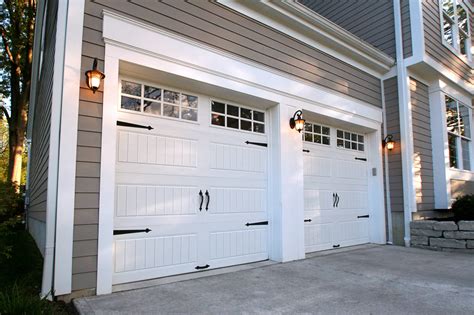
(317, 134)
(158, 101)
(237, 117)
(350, 140)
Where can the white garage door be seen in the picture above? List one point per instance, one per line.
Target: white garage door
(190, 193)
(335, 188)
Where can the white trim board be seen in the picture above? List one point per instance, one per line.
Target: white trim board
(288, 16)
(168, 53)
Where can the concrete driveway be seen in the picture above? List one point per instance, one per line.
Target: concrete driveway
(368, 280)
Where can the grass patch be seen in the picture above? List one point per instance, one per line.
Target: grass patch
(20, 278)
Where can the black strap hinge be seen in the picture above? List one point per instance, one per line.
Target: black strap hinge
(257, 223)
(361, 159)
(362, 216)
(120, 232)
(201, 267)
(307, 220)
(256, 143)
(305, 150)
(127, 124)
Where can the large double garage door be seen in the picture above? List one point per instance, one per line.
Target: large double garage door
(191, 194)
(335, 188)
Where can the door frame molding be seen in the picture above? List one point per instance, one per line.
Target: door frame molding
(164, 51)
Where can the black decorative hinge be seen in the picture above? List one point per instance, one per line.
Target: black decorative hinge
(304, 150)
(127, 124)
(257, 223)
(362, 216)
(120, 232)
(361, 159)
(201, 267)
(307, 220)
(336, 246)
(257, 143)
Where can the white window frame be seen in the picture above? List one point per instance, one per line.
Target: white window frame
(162, 102)
(318, 134)
(459, 137)
(456, 48)
(239, 106)
(351, 141)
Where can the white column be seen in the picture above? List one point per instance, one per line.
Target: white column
(287, 218)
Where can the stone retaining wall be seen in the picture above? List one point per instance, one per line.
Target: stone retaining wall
(444, 235)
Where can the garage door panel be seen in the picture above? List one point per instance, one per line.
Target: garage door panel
(352, 200)
(318, 236)
(233, 157)
(134, 147)
(317, 166)
(349, 170)
(352, 232)
(317, 199)
(237, 200)
(156, 200)
(236, 243)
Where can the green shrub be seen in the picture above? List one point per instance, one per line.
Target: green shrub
(11, 216)
(17, 301)
(463, 208)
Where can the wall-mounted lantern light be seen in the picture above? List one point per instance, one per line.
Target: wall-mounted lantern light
(93, 77)
(297, 121)
(388, 142)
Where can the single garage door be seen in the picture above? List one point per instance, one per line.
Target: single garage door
(191, 193)
(335, 188)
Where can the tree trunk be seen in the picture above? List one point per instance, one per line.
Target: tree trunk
(16, 156)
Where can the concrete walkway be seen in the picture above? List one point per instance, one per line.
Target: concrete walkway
(371, 280)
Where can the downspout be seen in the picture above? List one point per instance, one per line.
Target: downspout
(388, 205)
(409, 201)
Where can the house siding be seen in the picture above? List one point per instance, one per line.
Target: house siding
(40, 138)
(461, 187)
(392, 120)
(372, 21)
(434, 44)
(423, 161)
(406, 28)
(212, 24)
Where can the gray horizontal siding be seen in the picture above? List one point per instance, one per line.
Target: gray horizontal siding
(422, 146)
(212, 24)
(434, 43)
(394, 156)
(406, 28)
(461, 187)
(39, 155)
(372, 21)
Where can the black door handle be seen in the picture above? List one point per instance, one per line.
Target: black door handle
(337, 200)
(333, 200)
(202, 200)
(208, 200)
(202, 267)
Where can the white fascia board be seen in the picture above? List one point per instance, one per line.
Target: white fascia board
(190, 59)
(323, 34)
(69, 85)
(449, 74)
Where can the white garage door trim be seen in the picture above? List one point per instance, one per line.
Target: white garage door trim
(178, 56)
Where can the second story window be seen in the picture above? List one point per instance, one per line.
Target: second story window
(456, 30)
(458, 122)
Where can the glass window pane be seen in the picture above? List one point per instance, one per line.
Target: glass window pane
(152, 92)
(448, 7)
(218, 120)
(361, 147)
(453, 161)
(317, 138)
(466, 163)
(260, 128)
(129, 103)
(464, 121)
(259, 116)
(462, 43)
(353, 137)
(171, 97)
(170, 111)
(448, 31)
(360, 139)
(354, 146)
(340, 143)
(347, 144)
(232, 123)
(189, 101)
(218, 107)
(153, 108)
(325, 131)
(317, 129)
(326, 140)
(340, 134)
(462, 18)
(232, 110)
(451, 115)
(308, 127)
(246, 125)
(308, 137)
(131, 88)
(189, 114)
(347, 135)
(245, 113)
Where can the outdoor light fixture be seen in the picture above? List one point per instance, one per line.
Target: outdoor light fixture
(93, 77)
(388, 142)
(297, 121)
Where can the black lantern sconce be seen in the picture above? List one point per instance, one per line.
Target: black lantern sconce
(388, 142)
(297, 121)
(94, 77)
